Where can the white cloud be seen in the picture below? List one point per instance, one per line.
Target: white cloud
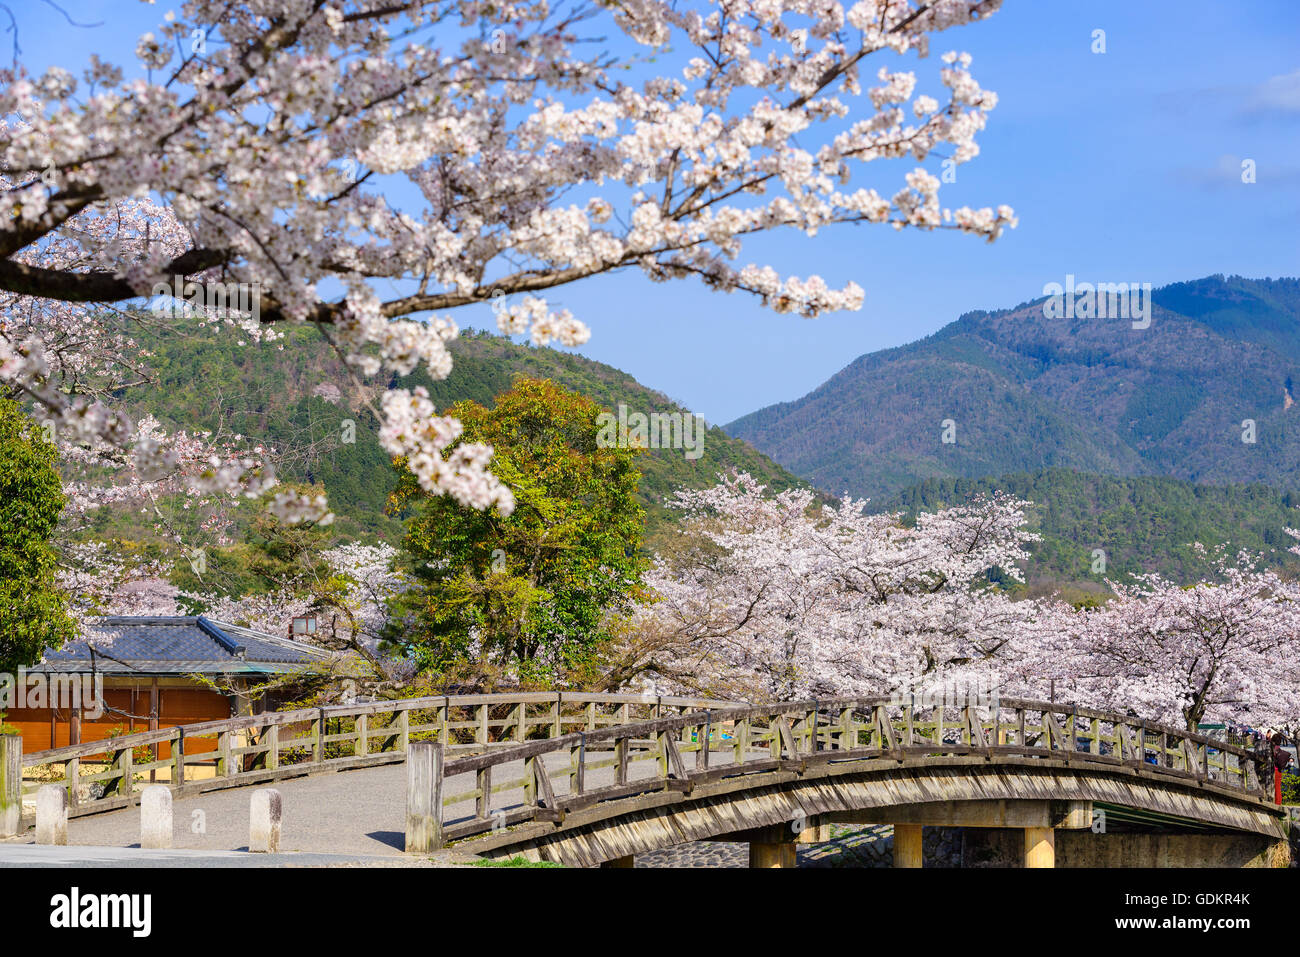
(1278, 93)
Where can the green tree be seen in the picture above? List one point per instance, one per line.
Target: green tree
(288, 556)
(527, 597)
(33, 609)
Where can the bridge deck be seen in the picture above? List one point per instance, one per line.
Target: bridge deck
(361, 812)
(578, 777)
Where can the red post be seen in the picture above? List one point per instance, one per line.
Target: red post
(1277, 786)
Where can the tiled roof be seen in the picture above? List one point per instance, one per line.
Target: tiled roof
(182, 645)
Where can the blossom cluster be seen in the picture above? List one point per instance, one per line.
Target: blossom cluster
(780, 596)
(262, 158)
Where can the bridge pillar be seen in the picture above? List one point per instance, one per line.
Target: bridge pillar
(907, 845)
(776, 854)
(1040, 847)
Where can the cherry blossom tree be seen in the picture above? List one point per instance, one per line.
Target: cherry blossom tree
(310, 154)
(781, 596)
(349, 595)
(101, 580)
(348, 592)
(1223, 649)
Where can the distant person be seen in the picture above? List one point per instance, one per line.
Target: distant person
(1277, 758)
(1281, 756)
(1264, 759)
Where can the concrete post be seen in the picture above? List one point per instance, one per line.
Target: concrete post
(52, 815)
(156, 816)
(423, 797)
(1040, 847)
(11, 784)
(907, 845)
(264, 821)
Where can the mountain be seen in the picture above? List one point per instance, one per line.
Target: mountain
(1141, 524)
(1021, 392)
(296, 396)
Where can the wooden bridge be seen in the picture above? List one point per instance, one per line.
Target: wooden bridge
(596, 779)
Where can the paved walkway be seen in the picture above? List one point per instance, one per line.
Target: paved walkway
(349, 818)
(30, 855)
(352, 813)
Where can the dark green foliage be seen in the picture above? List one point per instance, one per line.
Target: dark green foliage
(526, 595)
(517, 861)
(33, 610)
(1290, 789)
(1242, 309)
(1143, 524)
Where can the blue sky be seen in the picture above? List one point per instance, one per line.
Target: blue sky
(1122, 166)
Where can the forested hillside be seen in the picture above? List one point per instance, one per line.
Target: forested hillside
(1204, 393)
(1142, 524)
(276, 396)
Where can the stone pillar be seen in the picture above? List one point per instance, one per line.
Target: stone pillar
(156, 817)
(11, 784)
(772, 855)
(265, 810)
(52, 815)
(628, 861)
(423, 797)
(1040, 847)
(907, 845)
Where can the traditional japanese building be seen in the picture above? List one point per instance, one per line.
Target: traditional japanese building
(157, 672)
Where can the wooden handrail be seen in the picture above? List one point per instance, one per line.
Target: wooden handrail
(257, 747)
(736, 712)
(1181, 756)
(781, 734)
(144, 738)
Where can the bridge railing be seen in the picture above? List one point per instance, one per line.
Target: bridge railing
(548, 779)
(608, 745)
(107, 774)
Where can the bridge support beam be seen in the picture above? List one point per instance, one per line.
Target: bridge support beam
(907, 845)
(776, 845)
(802, 831)
(1040, 847)
(987, 813)
(780, 854)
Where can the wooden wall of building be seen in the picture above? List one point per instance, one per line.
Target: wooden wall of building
(179, 702)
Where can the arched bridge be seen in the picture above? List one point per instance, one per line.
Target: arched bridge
(597, 779)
